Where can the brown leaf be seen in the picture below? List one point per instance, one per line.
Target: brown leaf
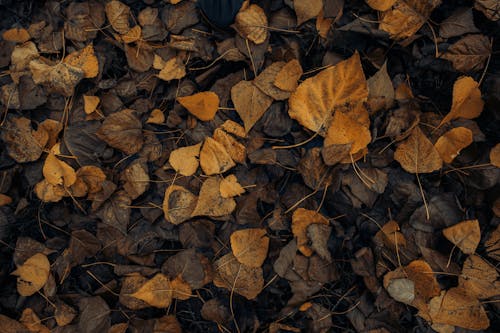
(314, 101)
(184, 160)
(251, 23)
(288, 77)
(407, 17)
(234, 276)
(470, 53)
(323, 24)
(214, 158)
(52, 128)
(229, 187)
(16, 35)
(465, 235)
(490, 8)
(452, 142)
(203, 105)
(5, 200)
(265, 81)
(479, 278)
(381, 5)
(136, 179)
(157, 291)
(417, 154)
(19, 140)
(47, 192)
(180, 288)
(307, 9)
(31, 320)
(495, 155)
(122, 130)
(210, 201)
(86, 60)
(459, 23)
(90, 103)
(301, 219)
(178, 204)
(118, 14)
(92, 176)
(64, 314)
(250, 103)
(234, 148)
(61, 78)
(250, 246)
(174, 69)
(391, 236)
(380, 90)
(467, 101)
(133, 35)
(139, 58)
(334, 154)
(32, 275)
(455, 307)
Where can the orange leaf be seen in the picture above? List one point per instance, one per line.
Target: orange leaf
(417, 154)
(202, 105)
(234, 148)
(251, 23)
(32, 274)
(229, 187)
(495, 155)
(156, 117)
(288, 76)
(250, 246)
(479, 278)
(210, 201)
(323, 24)
(16, 35)
(185, 160)
(250, 103)
(467, 102)
(452, 142)
(178, 204)
(5, 199)
(174, 69)
(156, 292)
(47, 192)
(90, 103)
(381, 5)
(57, 172)
(118, 16)
(465, 235)
(214, 158)
(84, 59)
(301, 219)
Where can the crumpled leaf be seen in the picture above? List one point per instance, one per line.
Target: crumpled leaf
(251, 23)
(301, 219)
(57, 172)
(19, 140)
(479, 278)
(236, 150)
(157, 291)
(122, 130)
(229, 187)
(90, 103)
(465, 235)
(139, 58)
(118, 14)
(184, 160)
(61, 78)
(178, 204)
(452, 142)
(32, 274)
(214, 159)
(289, 75)
(470, 53)
(381, 5)
(174, 69)
(250, 246)
(406, 17)
(92, 176)
(48, 192)
(490, 8)
(86, 60)
(203, 105)
(31, 320)
(467, 101)
(250, 103)
(307, 9)
(417, 154)
(210, 201)
(156, 117)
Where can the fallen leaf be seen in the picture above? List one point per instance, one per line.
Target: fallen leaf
(495, 155)
(288, 77)
(32, 274)
(490, 8)
(174, 69)
(16, 35)
(133, 35)
(319, 235)
(156, 117)
(31, 320)
(236, 150)
(214, 158)
(178, 204)
(323, 24)
(86, 60)
(314, 101)
(334, 154)
(406, 17)
(90, 103)
(381, 5)
(250, 103)
(492, 243)
(5, 200)
(250, 246)
(21, 57)
(307, 9)
(380, 90)
(455, 307)
(452, 142)
(465, 235)
(391, 236)
(136, 179)
(57, 172)
(52, 128)
(118, 14)
(459, 23)
(210, 201)
(61, 78)
(19, 139)
(470, 53)
(203, 105)
(251, 24)
(122, 130)
(47, 192)
(92, 176)
(157, 291)
(180, 289)
(417, 154)
(234, 276)
(265, 81)
(467, 102)
(402, 290)
(139, 58)
(229, 187)
(64, 314)
(479, 278)
(301, 219)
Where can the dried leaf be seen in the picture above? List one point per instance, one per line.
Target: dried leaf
(92, 176)
(86, 60)
(402, 290)
(118, 14)
(250, 246)
(180, 289)
(133, 35)
(32, 274)
(234, 276)
(288, 77)
(381, 5)
(64, 314)
(417, 154)
(139, 58)
(47, 192)
(174, 69)
(495, 155)
(452, 142)
(184, 160)
(210, 201)
(467, 101)
(459, 23)
(57, 172)
(229, 187)
(19, 140)
(307, 9)
(90, 103)
(178, 204)
(156, 117)
(203, 105)
(234, 148)
(122, 130)
(470, 53)
(465, 235)
(214, 158)
(31, 320)
(251, 24)
(323, 24)
(391, 236)
(156, 292)
(407, 17)
(16, 35)
(250, 103)
(301, 219)
(490, 8)
(136, 179)
(380, 90)
(479, 278)
(52, 128)
(61, 78)
(265, 81)
(5, 200)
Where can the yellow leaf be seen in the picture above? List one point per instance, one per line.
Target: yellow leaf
(465, 235)
(118, 16)
(214, 158)
(156, 292)
(210, 201)
(467, 102)
(47, 192)
(301, 219)
(173, 69)
(84, 59)
(307, 9)
(185, 160)
(16, 35)
(229, 187)
(452, 142)
(133, 35)
(234, 148)
(180, 288)
(417, 154)
(32, 274)
(90, 103)
(288, 76)
(92, 176)
(203, 105)
(57, 172)
(251, 24)
(381, 5)
(323, 24)
(156, 117)
(250, 246)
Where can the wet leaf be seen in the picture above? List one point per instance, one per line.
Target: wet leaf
(229, 187)
(301, 220)
(210, 201)
(470, 53)
(86, 60)
(202, 105)
(122, 130)
(467, 101)
(307, 9)
(417, 154)
(452, 142)
(156, 292)
(214, 159)
(251, 23)
(32, 274)
(178, 204)
(57, 172)
(250, 246)
(250, 103)
(184, 160)
(465, 235)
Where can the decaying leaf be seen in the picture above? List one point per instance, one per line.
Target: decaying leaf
(380, 90)
(178, 204)
(156, 292)
(174, 69)
(470, 53)
(16, 35)
(32, 274)
(48, 192)
(92, 176)
(5, 200)
(490, 8)
(18, 137)
(202, 105)
(459, 23)
(86, 60)
(251, 23)
(288, 77)
(467, 101)
(122, 130)
(236, 150)
(250, 103)
(301, 219)
(210, 201)
(229, 187)
(214, 158)
(495, 155)
(118, 15)
(250, 246)
(465, 235)
(139, 58)
(391, 236)
(90, 103)
(61, 78)
(479, 278)
(156, 117)
(57, 172)
(452, 142)
(381, 5)
(417, 154)
(136, 179)
(265, 81)
(307, 9)
(401, 289)
(184, 160)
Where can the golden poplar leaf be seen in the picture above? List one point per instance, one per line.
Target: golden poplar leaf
(90, 103)
(92, 176)
(118, 16)
(178, 204)
(314, 101)
(417, 154)
(301, 219)
(214, 158)
(465, 235)
(250, 103)
(323, 24)
(180, 288)
(156, 292)
(265, 81)
(31, 320)
(174, 69)
(233, 128)
(250, 246)
(16, 35)
(467, 102)
(5, 200)
(288, 77)
(229, 187)
(57, 172)
(210, 201)
(47, 192)
(236, 150)
(203, 105)
(452, 142)
(455, 307)
(479, 278)
(156, 117)
(86, 60)
(381, 5)
(133, 35)
(470, 53)
(184, 160)
(495, 155)
(391, 236)
(251, 23)
(52, 128)
(406, 17)
(307, 9)
(32, 274)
